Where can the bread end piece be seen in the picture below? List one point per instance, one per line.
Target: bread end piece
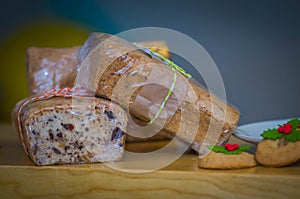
(55, 131)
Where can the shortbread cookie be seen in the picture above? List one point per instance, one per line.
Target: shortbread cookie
(229, 157)
(281, 146)
(224, 161)
(277, 153)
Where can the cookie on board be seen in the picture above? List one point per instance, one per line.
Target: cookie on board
(231, 156)
(281, 146)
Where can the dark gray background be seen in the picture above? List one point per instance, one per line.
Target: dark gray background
(255, 44)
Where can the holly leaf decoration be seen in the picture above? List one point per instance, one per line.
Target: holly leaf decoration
(294, 123)
(221, 149)
(217, 149)
(244, 148)
(293, 136)
(272, 134)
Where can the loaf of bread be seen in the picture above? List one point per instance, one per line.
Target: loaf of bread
(118, 71)
(50, 68)
(62, 130)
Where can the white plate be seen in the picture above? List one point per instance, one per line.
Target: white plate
(251, 132)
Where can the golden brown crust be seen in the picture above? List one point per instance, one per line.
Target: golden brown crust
(277, 153)
(227, 161)
(200, 108)
(132, 62)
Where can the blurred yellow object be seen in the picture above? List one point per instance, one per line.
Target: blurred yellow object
(160, 47)
(46, 33)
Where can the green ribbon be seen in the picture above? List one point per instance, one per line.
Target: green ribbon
(174, 67)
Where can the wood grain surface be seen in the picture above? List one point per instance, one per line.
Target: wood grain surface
(20, 178)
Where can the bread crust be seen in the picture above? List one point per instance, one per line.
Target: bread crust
(197, 106)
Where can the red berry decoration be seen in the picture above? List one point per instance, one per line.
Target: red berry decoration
(290, 131)
(228, 147)
(280, 129)
(287, 131)
(231, 147)
(235, 146)
(288, 125)
(287, 128)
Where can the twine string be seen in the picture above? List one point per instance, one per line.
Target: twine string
(79, 91)
(174, 68)
(64, 92)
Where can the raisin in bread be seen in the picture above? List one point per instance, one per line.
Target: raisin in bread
(116, 70)
(60, 130)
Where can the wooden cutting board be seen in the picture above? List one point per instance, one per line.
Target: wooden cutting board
(20, 178)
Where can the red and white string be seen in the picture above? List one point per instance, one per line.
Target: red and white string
(64, 92)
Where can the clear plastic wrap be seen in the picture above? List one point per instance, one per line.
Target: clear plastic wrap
(54, 68)
(157, 96)
(66, 127)
(50, 68)
(119, 71)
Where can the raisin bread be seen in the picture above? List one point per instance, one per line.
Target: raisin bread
(63, 130)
